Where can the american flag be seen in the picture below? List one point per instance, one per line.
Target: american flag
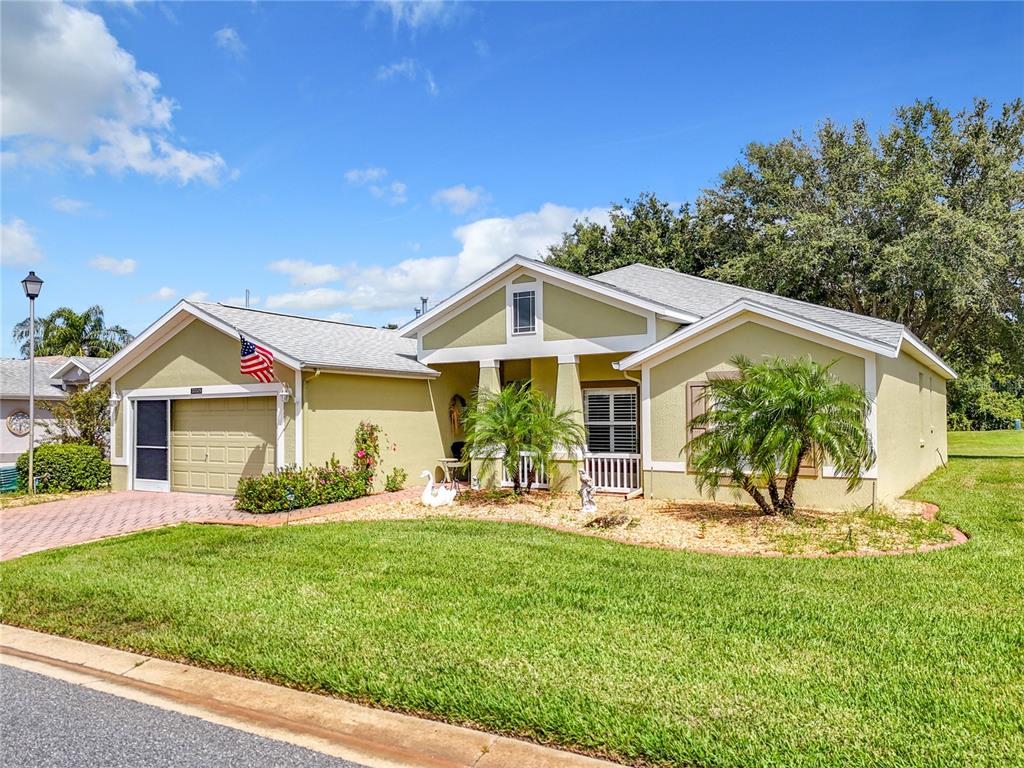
(257, 361)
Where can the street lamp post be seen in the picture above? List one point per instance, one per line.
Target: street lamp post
(32, 286)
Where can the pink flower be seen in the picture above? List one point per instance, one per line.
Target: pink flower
(360, 454)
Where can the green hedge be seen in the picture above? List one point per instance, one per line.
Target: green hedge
(65, 467)
(294, 488)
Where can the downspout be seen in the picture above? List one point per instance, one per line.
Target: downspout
(639, 433)
(305, 399)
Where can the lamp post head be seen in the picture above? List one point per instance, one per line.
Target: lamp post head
(32, 285)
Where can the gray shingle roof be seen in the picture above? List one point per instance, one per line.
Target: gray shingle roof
(14, 378)
(324, 343)
(705, 297)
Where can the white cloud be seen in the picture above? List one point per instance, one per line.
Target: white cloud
(306, 272)
(70, 93)
(18, 244)
(483, 50)
(198, 296)
(68, 204)
(360, 176)
(485, 244)
(228, 39)
(112, 265)
(340, 317)
(408, 69)
(417, 14)
(460, 198)
(163, 294)
(394, 193)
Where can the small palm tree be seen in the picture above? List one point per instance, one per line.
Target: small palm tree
(515, 420)
(67, 332)
(762, 425)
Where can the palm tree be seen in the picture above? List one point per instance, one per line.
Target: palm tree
(519, 419)
(761, 426)
(66, 332)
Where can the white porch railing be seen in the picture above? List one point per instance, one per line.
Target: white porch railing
(614, 472)
(611, 472)
(541, 480)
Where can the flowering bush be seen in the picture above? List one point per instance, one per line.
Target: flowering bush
(295, 488)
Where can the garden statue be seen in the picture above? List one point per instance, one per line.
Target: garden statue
(587, 492)
(439, 496)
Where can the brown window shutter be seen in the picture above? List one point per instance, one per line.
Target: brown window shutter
(696, 404)
(808, 468)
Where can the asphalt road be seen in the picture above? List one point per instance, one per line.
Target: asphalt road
(51, 723)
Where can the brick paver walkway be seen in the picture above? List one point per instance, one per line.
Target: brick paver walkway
(86, 518)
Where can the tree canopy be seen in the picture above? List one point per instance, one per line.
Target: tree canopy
(67, 332)
(922, 224)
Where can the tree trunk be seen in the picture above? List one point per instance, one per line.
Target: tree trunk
(757, 496)
(788, 506)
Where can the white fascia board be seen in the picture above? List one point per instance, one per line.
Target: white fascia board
(440, 311)
(828, 333)
(64, 367)
(381, 372)
(166, 326)
(930, 359)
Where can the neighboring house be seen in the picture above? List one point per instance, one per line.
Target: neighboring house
(630, 350)
(55, 377)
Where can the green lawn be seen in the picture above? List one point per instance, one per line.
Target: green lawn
(1002, 442)
(641, 654)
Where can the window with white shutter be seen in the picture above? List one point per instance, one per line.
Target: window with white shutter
(610, 416)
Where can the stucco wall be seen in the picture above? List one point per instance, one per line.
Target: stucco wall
(11, 445)
(668, 405)
(570, 315)
(482, 323)
(911, 410)
(663, 328)
(407, 410)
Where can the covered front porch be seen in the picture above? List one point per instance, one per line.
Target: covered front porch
(605, 399)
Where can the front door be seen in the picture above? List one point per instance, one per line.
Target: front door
(152, 454)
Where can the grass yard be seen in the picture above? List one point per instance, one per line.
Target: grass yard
(1001, 442)
(646, 655)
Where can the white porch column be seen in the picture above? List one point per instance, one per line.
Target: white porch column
(568, 396)
(486, 472)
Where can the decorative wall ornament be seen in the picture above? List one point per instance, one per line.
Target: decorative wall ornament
(18, 423)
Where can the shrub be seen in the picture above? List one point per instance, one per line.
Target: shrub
(395, 481)
(294, 488)
(65, 467)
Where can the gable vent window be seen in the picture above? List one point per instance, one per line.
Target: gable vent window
(610, 417)
(524, 312)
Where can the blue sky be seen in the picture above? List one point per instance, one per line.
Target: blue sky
(342, 159)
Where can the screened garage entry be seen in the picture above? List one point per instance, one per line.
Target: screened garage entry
(214, 441)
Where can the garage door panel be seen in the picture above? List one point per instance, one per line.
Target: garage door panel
(216, 441)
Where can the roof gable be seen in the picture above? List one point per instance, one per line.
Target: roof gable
(487, 282)
(297, 342)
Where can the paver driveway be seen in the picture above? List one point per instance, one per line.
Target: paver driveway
(73, 521)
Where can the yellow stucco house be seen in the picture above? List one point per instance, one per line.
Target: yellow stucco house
(629, 349)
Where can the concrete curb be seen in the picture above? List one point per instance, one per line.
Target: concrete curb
(373, 737)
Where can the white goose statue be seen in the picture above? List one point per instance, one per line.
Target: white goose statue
(436, 496)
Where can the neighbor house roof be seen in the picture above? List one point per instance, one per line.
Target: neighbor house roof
(86, 364)
(705, 297)
(49, 368)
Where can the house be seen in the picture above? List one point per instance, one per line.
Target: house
(55, 377)
(630, 350)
